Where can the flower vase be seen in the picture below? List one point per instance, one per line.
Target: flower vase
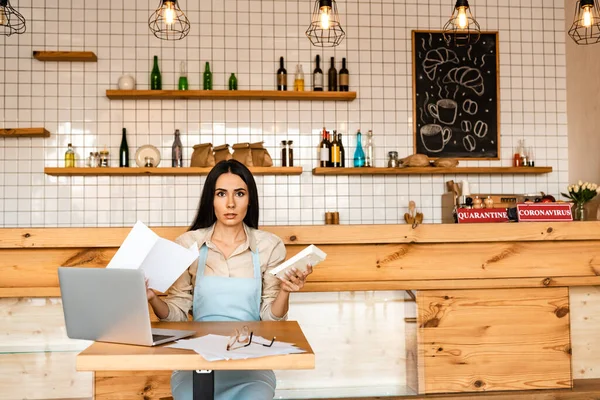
(579, 212)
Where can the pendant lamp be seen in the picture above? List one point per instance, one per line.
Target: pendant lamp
(168, 22)
(462, 28)
(586, 25)
(325, 29)
(11, 21)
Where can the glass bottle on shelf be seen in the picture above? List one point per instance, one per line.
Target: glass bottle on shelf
(299, 79)
(177, 151)
(70, 157)
(342, 151)
(287, 153)
(232, 82)
(324, 150)
(359, 154)
(207, 81)
(281, 76)
(334, 154)
(370, 152)
(155, 78)
(124, 151)
(523, 154)
(183, 80)
(91, 160)
(517, 155)
(332, 85)
(530, 157)
(318, 76)
(344, 77)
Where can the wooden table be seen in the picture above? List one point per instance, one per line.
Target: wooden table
(120, 357)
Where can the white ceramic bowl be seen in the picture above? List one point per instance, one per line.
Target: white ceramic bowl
(126, 82)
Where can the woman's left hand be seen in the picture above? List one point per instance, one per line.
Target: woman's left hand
(294, 280)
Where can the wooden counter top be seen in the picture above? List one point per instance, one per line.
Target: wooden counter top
(360, 257)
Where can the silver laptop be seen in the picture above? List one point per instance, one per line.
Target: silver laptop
(110, 305)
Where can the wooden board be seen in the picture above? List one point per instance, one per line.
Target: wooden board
(432, 171)
(542, 262)
(70, 56)
(11, 238)
(228, 95)
(487, 340)
(585, 327)
(24, 132)
(113, 171)
(142, 385)
(43, 376)
(118, 357)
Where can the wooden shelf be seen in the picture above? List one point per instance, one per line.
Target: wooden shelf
(432, 171)
(86, 56)
(227, 95)
(161, 171)
(24, 132)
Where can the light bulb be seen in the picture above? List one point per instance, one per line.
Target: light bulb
(588, 20)
(325, 17)
(2, 16)
(169, 12)
(461, 18)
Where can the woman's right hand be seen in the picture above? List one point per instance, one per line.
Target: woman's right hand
(149, 292)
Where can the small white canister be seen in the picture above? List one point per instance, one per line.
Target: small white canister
(126, 82)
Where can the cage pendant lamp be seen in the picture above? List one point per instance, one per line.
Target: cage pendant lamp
(325, 29)
(462, 29)
(168, 22)
(11, 21)
(586, 25)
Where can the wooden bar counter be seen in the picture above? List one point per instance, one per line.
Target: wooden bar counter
(492, 301)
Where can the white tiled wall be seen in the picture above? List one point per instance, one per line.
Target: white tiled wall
(248, 37)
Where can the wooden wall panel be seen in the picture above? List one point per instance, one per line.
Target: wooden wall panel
(142, 385)
(485, 340)
(43, 376)
(36, 268)
(585, 332)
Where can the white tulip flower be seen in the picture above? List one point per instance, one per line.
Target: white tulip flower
(570, 188)
(594, 186)
(584, 186)
(580, 183)
(576, 188)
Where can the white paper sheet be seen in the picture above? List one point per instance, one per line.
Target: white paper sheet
(214, 348)
(162, 260)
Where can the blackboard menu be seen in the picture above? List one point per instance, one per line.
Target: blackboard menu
(455, 99)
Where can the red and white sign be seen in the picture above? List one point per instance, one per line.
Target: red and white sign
(544, 212)
(482, 215)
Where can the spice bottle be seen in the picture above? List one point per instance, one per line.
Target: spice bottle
(287, 153)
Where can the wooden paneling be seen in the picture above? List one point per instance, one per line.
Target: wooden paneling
(43, 376)
(228, 95)
(322, 234)
(432, 171)
(585, 331)
(161, 171)
(369, 267)
(487, 340)
(142, 385)
(24, 132)
(86, 56)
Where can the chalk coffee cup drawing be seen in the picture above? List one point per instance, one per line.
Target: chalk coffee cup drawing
(435, 138)
(444, 110)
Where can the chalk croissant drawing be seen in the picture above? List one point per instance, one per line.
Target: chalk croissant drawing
(468, 77)
(435, 58)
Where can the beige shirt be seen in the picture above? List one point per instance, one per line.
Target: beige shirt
(271, 252)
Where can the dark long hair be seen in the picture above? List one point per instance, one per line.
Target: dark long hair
(206, 210)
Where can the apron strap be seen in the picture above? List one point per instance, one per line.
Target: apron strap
(202, 261)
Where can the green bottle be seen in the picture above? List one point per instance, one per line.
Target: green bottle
(183, 80)
(232, 82)
(207, 77)
(124, 151)
(155, 79)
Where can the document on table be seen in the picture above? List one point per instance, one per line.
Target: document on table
(214, 348)
(162, 260)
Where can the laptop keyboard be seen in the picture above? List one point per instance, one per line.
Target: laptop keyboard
(156, 338)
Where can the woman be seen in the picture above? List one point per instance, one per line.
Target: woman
(230, 279)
